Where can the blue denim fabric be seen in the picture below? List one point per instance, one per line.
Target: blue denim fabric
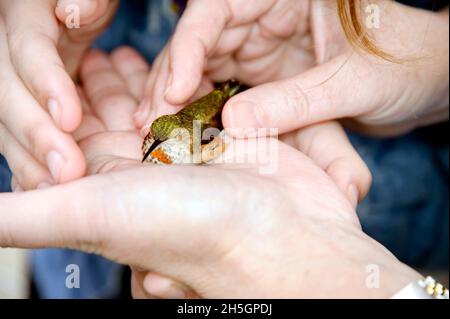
(406, 210)
(5, 176)
(99, 278)
(144, 25)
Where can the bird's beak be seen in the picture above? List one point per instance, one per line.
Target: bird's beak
(155, 144)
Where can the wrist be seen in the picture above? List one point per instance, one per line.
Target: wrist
(420, 41)
(438, 65)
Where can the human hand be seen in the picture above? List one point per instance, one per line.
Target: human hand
(39, 104)
(109, 140)
(253, 236)
(298, 45)
(157, 219)
(256, 41)
(251, 40)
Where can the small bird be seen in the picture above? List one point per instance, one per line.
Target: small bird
(166, 144)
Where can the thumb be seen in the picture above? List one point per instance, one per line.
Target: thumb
(337, 89)
(84, 11)
(84, 20)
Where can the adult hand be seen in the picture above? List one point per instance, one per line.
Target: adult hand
(223, 230)
(256, 41)
(112, 88)
(39, 105)
(299, 46)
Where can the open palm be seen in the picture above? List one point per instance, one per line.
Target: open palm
(206, 227)
(280, 177)
(112, 87)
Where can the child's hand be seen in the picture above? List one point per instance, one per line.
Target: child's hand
(39, 103)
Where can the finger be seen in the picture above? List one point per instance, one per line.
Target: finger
(206, 86)
(146, 107)
(166, 288)
(34, 129)
(133, 69)
(81, 24)
(33, 52)
(328, 146)
(154, 103)
(90, 124)
(161, 107)
(25, 215)
(196, 35)
(28, 173)
(113, 150)
(15, 187)
(343, 87)
(231, 40)
(107, 93)
(137, 286)
(103, 224)
(222, 69)
(89, 10)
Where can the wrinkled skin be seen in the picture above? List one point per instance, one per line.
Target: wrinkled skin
(110, 142)
(107, 127)
(273, 228)
(303, 68)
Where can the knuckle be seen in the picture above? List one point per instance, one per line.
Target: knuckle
(5, 236)
(112, 95)
(90, 230)
(26, 176)
(35, 134)
(17, 42)
(296, 101)
(5, 94)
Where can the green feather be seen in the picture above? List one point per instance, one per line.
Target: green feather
(206, 110)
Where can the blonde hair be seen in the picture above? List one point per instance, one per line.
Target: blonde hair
(349, 14)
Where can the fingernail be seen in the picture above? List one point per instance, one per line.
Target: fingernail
(353, 195)
(245, 115)
(43, 185)
(55, 162)
(53, 108)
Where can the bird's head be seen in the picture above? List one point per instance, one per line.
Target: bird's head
(161, 131)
